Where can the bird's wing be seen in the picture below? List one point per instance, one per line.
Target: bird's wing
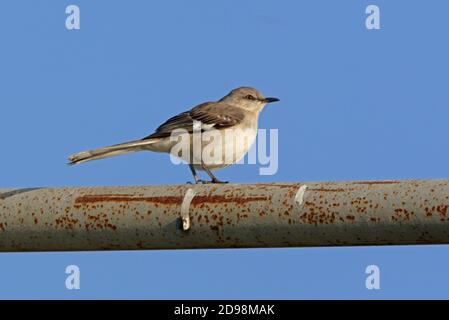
(216, 115)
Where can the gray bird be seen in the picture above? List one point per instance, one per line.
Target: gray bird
(234, 117)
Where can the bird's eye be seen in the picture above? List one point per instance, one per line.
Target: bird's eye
(250, 97)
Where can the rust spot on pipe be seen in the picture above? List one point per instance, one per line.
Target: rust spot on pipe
(87, 199)
(318, 215)
(222, 199)
(169, 200)
(329, 190)
(99, 221)
(402, 215)
(376, 182)
(442, 209)
(66, 222)
(281, 186)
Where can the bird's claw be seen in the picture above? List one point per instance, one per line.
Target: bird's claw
(209, 182)
(199, 181)
(219, 181)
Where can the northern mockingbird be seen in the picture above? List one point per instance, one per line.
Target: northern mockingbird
(234, 117)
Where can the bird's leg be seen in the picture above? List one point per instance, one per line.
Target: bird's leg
(211, 175)
(195, 176)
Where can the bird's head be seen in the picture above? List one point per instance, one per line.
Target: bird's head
(247, 98)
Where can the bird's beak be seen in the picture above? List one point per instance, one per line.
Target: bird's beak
(270, 100)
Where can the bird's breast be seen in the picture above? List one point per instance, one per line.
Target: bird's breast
(227, 148)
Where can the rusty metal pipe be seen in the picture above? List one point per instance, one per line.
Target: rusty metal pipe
(225, 216)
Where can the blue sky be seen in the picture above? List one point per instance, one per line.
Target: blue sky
(356, 104)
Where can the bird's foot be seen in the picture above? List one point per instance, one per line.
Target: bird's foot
(218, 181)
(210, 182)
(199, 181)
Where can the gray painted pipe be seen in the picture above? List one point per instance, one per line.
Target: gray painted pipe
(225, 216)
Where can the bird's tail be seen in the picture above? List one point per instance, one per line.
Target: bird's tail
(111, 151)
